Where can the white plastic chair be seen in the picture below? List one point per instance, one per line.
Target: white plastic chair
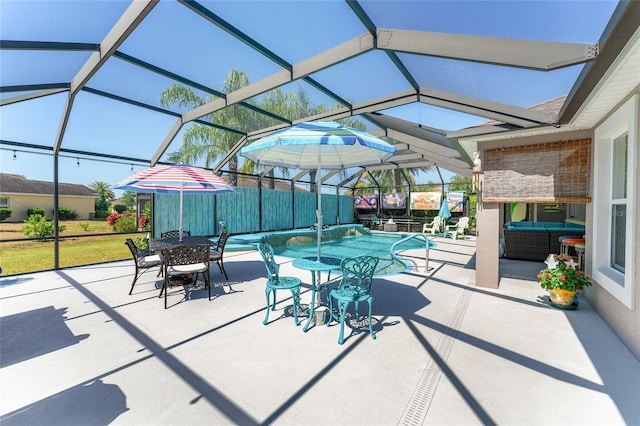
(433, 227)
(458, 228)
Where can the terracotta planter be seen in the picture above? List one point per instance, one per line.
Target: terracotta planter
(561, 297)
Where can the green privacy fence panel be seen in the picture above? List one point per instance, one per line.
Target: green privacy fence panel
(329, 209)
(305, 209)
(239, 211)
(346, 209)
(197, 213)
(276, 210)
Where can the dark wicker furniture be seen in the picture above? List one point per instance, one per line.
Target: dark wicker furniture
(536, 240)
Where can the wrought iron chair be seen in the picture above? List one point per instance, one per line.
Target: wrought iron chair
(185, 260)
(175, 233)
(143, 261)
(277, 282)
(458, 229)
(433, 227)
(354, 287)
(218, 251)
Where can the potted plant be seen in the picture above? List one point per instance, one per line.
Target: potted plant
(562, 278)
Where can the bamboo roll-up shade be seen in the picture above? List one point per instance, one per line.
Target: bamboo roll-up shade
(547, 172)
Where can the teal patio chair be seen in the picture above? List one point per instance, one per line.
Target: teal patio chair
(354, 287)
(277, 282)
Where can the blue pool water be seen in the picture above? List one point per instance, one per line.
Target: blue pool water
(343, 241)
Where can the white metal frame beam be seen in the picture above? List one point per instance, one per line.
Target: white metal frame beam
(521, 117)
(530, 54)
(340, 53)
(130, 19)
(29, 96)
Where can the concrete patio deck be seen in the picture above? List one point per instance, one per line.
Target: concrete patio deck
(77, 350)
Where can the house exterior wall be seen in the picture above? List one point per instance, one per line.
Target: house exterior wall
(20, 203)
(620, 313)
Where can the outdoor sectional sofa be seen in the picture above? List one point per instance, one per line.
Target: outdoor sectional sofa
(535, 240)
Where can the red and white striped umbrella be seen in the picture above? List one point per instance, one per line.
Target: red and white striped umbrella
(176, 179)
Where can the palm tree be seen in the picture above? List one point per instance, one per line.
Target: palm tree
(105, 195)
(202, 141)
(128, 198)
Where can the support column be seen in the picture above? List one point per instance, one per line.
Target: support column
(488, 235)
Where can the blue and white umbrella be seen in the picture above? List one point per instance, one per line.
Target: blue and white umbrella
(319, 145)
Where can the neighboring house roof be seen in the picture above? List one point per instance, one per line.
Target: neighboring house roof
(17, 184)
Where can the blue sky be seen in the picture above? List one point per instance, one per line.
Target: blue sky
(174, 38)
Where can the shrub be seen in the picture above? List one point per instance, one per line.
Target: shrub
(146, 212)
(102, 205)
(5, 213)
(120, 208)
(142, 243)
(143, 222)
(84, 226)
(126, 224)
(113, 218)
(35, 210)
(39, 227)
(67, 214)
(102, 214)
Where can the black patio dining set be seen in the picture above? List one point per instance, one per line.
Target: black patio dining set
(181, 258)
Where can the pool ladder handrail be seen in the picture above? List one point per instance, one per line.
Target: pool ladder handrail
(428, 243)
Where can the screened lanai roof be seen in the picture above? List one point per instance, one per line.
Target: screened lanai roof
(86, 77)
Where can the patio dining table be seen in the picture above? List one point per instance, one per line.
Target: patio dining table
(160, 244)
(326, 264)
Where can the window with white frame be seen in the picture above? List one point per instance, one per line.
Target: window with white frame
(4, 202)
(614, 188)
(619, 169)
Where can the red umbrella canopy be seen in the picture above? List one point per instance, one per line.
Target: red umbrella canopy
(175, 179)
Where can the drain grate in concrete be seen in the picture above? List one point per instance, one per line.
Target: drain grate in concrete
(418, 406)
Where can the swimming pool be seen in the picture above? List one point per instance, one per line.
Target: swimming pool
(344, 241)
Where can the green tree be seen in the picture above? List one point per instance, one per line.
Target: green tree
(105, 195)
(205, 142)
(128, 198)
(211, 144)
(460, 183)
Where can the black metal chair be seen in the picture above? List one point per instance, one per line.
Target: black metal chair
(175, 233)
(185, 260)
(142, 259)
(218, 251)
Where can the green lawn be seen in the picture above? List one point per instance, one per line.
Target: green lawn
(29, 256)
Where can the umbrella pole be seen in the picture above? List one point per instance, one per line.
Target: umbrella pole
(319, 211)
(180, 229)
